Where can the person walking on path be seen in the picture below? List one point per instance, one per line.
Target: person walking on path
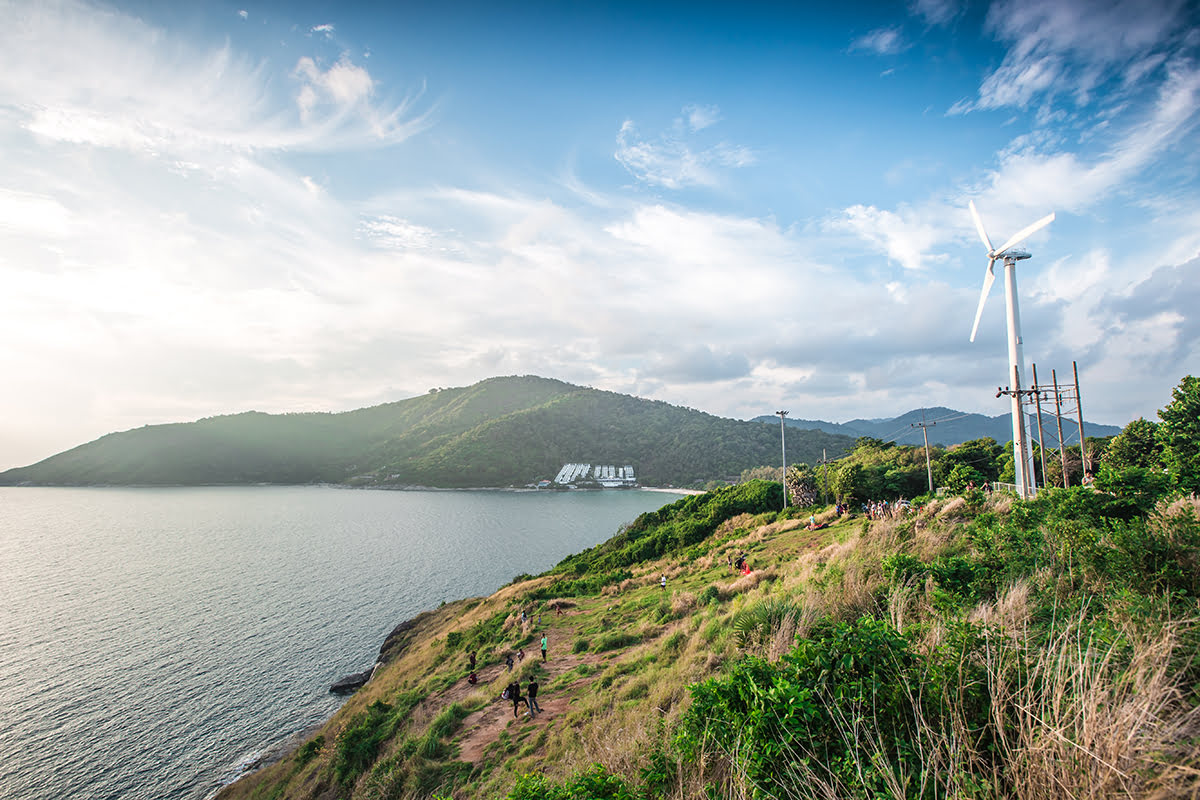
(543, 645)
(664, 581)
(514, 694)
(471, 661)
(532, 695)
(508, 662)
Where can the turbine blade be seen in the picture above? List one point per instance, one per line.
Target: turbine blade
(989, 278)
(1025, 233)
(979, 227)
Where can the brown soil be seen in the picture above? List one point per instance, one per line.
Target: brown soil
(483, 727)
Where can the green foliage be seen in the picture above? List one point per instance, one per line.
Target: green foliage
(580, 646)
(1141, 486)
(709, 595)
(756, 624)
(1179, 434)
(580, 587)
(962, 476)
(310, 750)
(849, 686)
(444, 724)
(359, 743)
(480, 636)
(980, 455)
(594, 783)
(615, 640)
(675, 527)
(1135, 446)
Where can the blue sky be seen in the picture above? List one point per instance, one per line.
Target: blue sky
(208, 208)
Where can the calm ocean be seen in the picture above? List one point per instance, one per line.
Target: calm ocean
(153, 642)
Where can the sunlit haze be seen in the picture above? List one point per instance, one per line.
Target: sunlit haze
(208, 208)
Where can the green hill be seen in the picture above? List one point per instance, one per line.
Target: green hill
(499, 432)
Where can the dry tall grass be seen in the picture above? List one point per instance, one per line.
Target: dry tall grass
(1091, 721)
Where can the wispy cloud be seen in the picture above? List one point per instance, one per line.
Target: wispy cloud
(673, 160)
(701, 117)
(1070, 47)
(159, 96)
(936, 12)
(883, 42)
(327, 30)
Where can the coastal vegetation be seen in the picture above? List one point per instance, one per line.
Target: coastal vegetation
(970, 645)
(496, 433)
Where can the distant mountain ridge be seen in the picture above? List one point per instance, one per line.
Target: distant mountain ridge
(946, 427)
(499, 432)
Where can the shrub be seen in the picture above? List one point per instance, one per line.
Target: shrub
(850, 707)
(358, 744)
(310, 750)
(580, 646)
(594, 783)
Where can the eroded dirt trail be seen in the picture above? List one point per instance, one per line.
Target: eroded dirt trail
(483, 727)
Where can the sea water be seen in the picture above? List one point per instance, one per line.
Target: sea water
(156, 642)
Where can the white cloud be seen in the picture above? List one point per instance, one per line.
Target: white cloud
(244, 14)
(157, 95)
(701, 117)
(882, 41)
(1065, 181)
(672, 161)
(936, 12)
(326, 29)
(1070, 47)
(907, 237)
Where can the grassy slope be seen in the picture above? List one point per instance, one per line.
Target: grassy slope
(623, 657)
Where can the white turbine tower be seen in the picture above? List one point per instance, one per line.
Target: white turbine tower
(1022, 452)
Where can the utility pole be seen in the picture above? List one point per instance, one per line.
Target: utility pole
(1024, 460)
(783, 445)
(1083, 453)
(923, 425)
(1041, 435)
(1062, 450)
(825, 481)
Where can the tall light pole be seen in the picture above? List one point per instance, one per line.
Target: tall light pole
(783, 445)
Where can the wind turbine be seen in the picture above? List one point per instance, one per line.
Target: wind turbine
(1022, 453)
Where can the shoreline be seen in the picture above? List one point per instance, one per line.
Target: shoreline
(288, 742)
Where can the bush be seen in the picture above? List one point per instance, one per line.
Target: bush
(594, 783)
(580, 646)
(849, 707)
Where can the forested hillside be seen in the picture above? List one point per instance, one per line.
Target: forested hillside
(499, 432)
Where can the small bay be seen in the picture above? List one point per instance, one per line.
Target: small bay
(154, 642)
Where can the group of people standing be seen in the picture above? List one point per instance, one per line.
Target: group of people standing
(513, 690)
(513, 693)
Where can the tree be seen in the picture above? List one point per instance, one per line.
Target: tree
(979, 454)
(802, 485)
(1136, 446)
(1179, 434)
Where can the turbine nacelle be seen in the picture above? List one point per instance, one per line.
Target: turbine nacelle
(1003, 253)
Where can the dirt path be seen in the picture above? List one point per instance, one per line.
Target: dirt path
(483, 727)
